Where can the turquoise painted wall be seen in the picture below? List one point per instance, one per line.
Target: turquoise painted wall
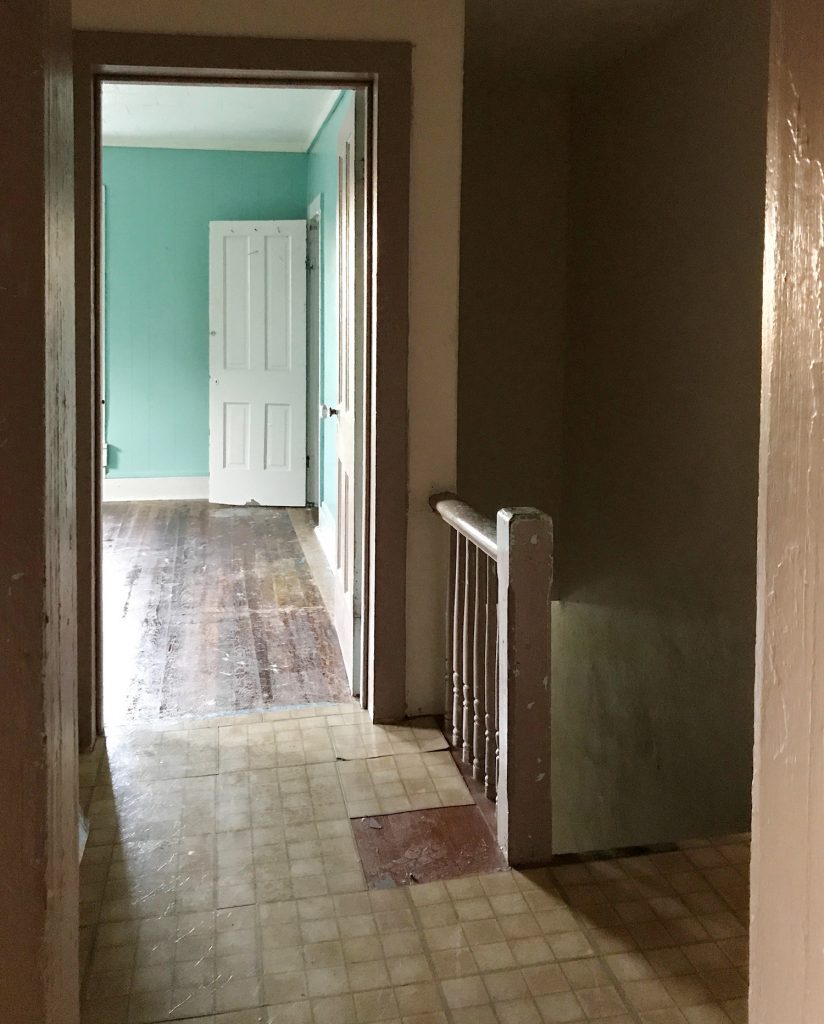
(158, 206)
(322, 180)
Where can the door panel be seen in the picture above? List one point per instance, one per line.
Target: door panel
(278, 434)
(257, 387)
(236, 435)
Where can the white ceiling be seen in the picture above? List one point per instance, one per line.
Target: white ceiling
(213, 116)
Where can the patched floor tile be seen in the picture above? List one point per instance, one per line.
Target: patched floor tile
(426, 846)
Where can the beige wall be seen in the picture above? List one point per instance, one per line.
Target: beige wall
(654, 631)
(787, 935)
(435, 27)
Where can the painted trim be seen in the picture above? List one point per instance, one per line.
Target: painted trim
(101, 298)
(325, 532)
(314, 359)
(156, 488)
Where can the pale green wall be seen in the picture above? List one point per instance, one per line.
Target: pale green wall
(322, 180)
(158, 206)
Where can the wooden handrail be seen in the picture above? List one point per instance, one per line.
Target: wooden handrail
(468, 522)
(497, 693)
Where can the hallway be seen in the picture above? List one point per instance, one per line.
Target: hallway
(213, 610)
(223, 883)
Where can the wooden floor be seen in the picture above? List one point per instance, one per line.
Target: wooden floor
(210, 610)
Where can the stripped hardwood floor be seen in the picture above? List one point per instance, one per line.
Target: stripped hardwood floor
(211, 610)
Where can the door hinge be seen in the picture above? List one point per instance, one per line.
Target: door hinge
(308, 462)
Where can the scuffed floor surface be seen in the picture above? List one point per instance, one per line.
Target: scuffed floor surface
(210, 610)
(222, 885)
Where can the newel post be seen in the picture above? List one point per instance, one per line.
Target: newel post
(524, 585)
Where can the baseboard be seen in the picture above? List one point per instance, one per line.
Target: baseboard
(156, 488)
(325, 532)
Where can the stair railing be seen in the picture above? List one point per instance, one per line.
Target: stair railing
(497, 684)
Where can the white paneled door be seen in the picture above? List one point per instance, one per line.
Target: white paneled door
(257, 362)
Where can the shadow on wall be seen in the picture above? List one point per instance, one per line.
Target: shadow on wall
(113, 456)
(654, 635)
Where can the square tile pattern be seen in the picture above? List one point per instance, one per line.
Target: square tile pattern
(355, 737)
(405, 782)
(221, 884)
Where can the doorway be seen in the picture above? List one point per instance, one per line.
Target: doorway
(386, 162)
(126, 57)
(213, 366)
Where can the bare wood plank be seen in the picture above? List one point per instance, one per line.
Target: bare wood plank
(524, 584)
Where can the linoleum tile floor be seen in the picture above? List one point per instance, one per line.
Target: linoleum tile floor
(221, 884)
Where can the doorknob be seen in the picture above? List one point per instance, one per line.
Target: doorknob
(327, 410)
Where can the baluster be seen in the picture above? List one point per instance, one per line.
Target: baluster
(468, 622)
(497, 704)
(450, 626)
(457, 643)
(491, 680)
(478, 747)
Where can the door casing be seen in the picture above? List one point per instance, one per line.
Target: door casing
(381, 75)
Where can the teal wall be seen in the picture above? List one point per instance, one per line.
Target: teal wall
(158, 206)
(322, 180)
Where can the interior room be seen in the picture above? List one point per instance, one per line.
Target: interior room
(411, 604)
(218, 517)
(642, 915)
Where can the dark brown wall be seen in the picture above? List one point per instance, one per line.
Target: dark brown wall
(654, 632)
(520, 58)
(38, 744)
(513, 263)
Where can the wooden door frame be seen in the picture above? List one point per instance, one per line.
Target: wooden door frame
(383, 71)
